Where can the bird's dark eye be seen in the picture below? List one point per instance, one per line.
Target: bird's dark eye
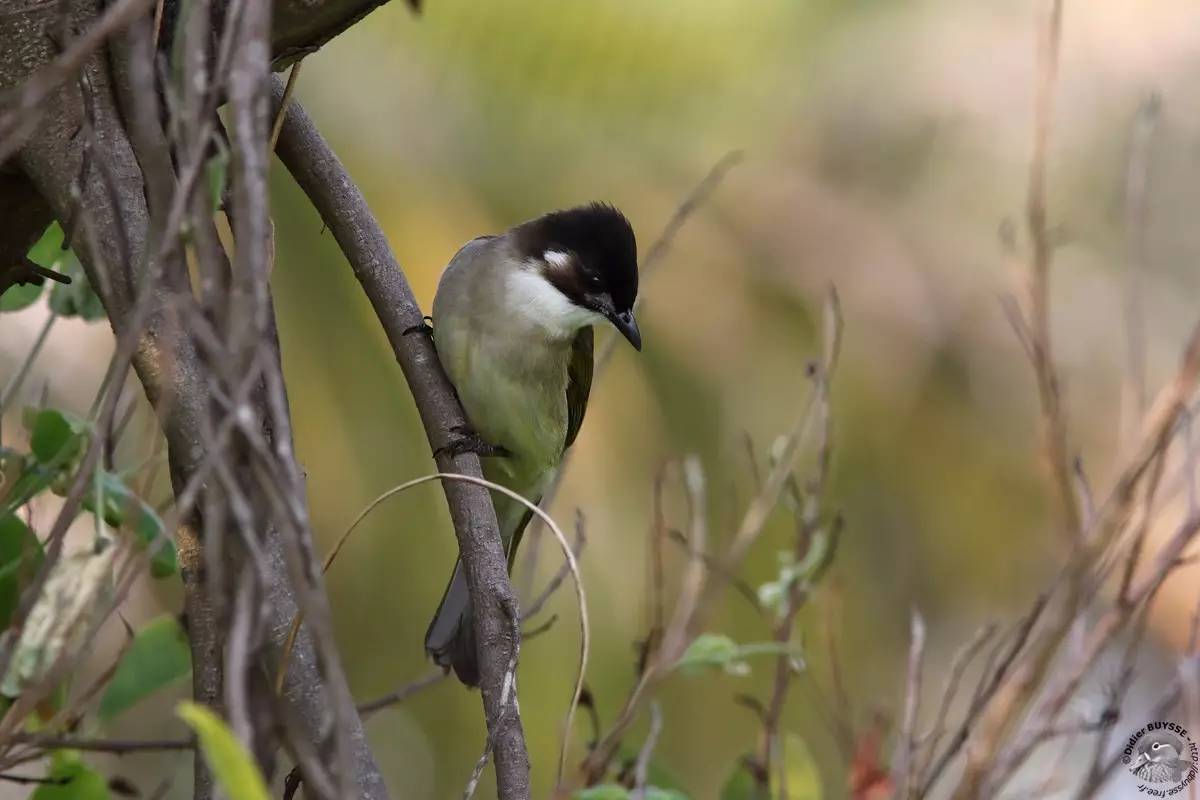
(593, 281)
(1156, 745)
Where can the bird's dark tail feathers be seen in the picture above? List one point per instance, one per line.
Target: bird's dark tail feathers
(450, 639)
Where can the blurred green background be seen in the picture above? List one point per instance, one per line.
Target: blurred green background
(885, 144)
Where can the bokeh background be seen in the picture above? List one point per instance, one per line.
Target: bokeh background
(885, 145)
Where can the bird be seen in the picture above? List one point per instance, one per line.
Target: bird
(512, 325)
(1160, 760)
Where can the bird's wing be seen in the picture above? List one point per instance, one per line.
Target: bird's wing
(518, 533)
(579, 382)
(579, 386)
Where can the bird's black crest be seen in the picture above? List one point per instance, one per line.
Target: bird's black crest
(601, 240)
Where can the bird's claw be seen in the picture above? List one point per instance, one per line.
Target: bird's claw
(425, 327)
(466, 440)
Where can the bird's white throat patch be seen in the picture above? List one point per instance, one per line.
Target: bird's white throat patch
(534, 300)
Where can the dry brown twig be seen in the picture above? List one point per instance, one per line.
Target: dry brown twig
(1137, 177)
(1053, 416)
(811, 523)
(1103, 537)
(905, 773)
(701, 585)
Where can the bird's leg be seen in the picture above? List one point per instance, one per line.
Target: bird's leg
(426, 327)
(466, 440)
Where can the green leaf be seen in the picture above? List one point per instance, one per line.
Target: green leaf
(74, 780)
(124, 509)
(820, 554)
(20, 555)
(32, 479)
(708, 650)
(74, 299)
(48, 252)
(55, 436)
(742, 785)
(20, 296)
(714, 650)
(657, 793)
(656, 773)
(804, 779)
(215, 170)
(233, 767)
(157, 657)
(809, 571)
(77, 298)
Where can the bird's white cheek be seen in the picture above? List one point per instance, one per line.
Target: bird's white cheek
(533, 300)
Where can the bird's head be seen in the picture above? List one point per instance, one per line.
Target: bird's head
(1163, 749)
(579, 268)
(1156, 749)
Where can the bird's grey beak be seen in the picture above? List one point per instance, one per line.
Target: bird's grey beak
(627, 325)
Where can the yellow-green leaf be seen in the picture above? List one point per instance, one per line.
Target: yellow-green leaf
(20, 296)
(804, 779)
(54, 436)
(123, 509)
(233, 767)
(73, 780)
(20, 556)
(157, 657)
(741, 784)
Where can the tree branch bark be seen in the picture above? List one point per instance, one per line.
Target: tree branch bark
(324, 179)
(122, 249)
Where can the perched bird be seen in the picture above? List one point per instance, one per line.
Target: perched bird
(1160, 759)
(512, 325)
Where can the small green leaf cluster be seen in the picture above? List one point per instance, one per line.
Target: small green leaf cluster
(78, 589)
(57, 441)
(803, 777)
(710, 651)
(74, 299)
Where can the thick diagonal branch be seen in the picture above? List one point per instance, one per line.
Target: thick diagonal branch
(324, 179)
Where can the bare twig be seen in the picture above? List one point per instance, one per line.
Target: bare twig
(700, 583)
(1053, 418)
(905, 772)
(288, 89)
(993, 678)
(402, 694)
(642, 767)
(809, 524)
(115, 746)
(958, 666)
(675, 636)
(14, 383)
(564, 571)
(1137, 176)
